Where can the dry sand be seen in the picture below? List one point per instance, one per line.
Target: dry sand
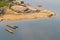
(25, 16)
(12, 15)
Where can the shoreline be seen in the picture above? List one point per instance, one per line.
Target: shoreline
(25, 16)
(19, 11)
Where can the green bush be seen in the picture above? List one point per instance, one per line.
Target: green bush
(3, 4)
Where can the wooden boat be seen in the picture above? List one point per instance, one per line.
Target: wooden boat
(12, 26)
(8, 30)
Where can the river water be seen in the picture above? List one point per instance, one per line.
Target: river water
(35, 29)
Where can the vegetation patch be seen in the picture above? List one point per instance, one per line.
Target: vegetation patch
(3, 4)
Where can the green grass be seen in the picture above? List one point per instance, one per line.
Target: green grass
(3, 4)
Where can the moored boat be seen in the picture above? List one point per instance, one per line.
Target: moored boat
(12, 26)
(8, 30)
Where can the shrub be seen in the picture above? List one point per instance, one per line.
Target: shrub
(3, 4)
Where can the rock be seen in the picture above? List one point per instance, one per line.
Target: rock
(31, 8)
(1, 19)
(2, 10)
(18, 8)
(39, 5)
(44, 11)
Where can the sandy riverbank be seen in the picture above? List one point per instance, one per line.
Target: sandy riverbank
(26, 16)
(23, 11)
